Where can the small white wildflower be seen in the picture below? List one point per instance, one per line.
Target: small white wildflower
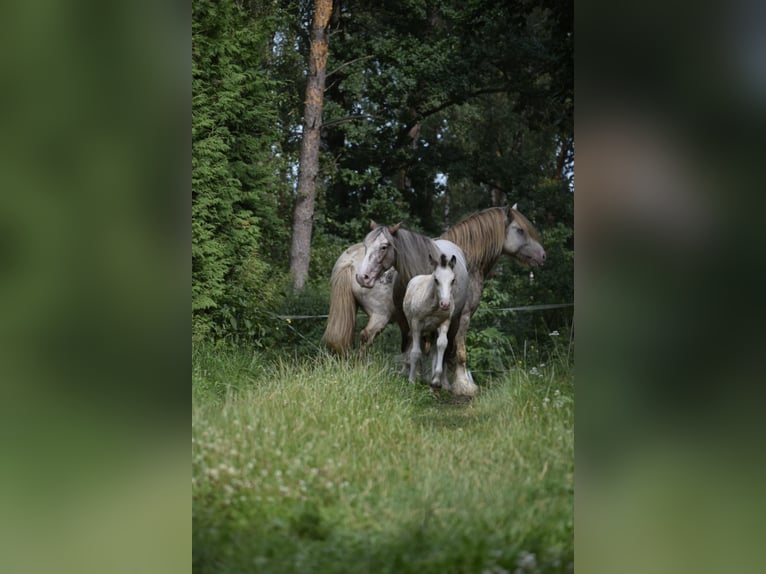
(526, 561)
(554, 334)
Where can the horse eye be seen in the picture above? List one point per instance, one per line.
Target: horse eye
(520, 231)
(383, 247)
(453, 281)
(437, 281)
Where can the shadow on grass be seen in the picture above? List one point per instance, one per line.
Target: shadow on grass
(445, 411)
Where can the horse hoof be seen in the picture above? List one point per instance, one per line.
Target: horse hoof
(467, 389)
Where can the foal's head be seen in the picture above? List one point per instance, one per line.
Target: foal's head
(444, 279)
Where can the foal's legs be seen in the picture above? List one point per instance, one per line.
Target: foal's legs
(414, 350)
(437, 366)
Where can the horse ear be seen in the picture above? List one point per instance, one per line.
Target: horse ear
(394, 228)
(443, 260)
(431, 261)
(373, 225)
(452, 262)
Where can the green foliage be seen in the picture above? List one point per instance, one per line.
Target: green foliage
(479, 92)
(335, 465)
(433, 110)
(237, 236)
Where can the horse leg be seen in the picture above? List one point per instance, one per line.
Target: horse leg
(374, 326)
(415, 350)
(404, 329)
(463, 384)
(437, 366)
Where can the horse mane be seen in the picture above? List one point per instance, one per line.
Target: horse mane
(481, 236)
(412, 251)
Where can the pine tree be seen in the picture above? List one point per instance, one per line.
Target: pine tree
(234, 168)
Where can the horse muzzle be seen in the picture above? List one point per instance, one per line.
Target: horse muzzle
(534, 258)
(365, 280)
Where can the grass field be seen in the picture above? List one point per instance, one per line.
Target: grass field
(339, 465)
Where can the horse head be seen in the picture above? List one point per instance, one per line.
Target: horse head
(444, 279)
(379, 254)
(522, 240)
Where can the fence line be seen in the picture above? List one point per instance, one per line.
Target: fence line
(522, 308)
(535, 307)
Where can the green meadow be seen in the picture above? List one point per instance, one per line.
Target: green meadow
(340, 465)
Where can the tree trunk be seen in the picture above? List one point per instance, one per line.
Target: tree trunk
(300, 249)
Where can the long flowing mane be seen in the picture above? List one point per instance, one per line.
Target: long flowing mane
(481, 237)
(412, 251)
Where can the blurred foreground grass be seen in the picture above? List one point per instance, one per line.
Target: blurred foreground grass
(332, 465)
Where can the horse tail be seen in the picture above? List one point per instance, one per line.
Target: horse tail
(341, 323)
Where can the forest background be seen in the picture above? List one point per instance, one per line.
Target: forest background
(432, 110)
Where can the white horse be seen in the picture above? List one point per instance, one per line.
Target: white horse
(346, 296)
(429, 304)
(409, 252)
(483, 237)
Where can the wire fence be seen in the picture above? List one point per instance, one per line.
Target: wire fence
(523, 308)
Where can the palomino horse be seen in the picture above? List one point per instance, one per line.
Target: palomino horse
(409, 253)
(483, 237)
(429, 304)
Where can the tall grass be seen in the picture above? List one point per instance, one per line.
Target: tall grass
(339, 465)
